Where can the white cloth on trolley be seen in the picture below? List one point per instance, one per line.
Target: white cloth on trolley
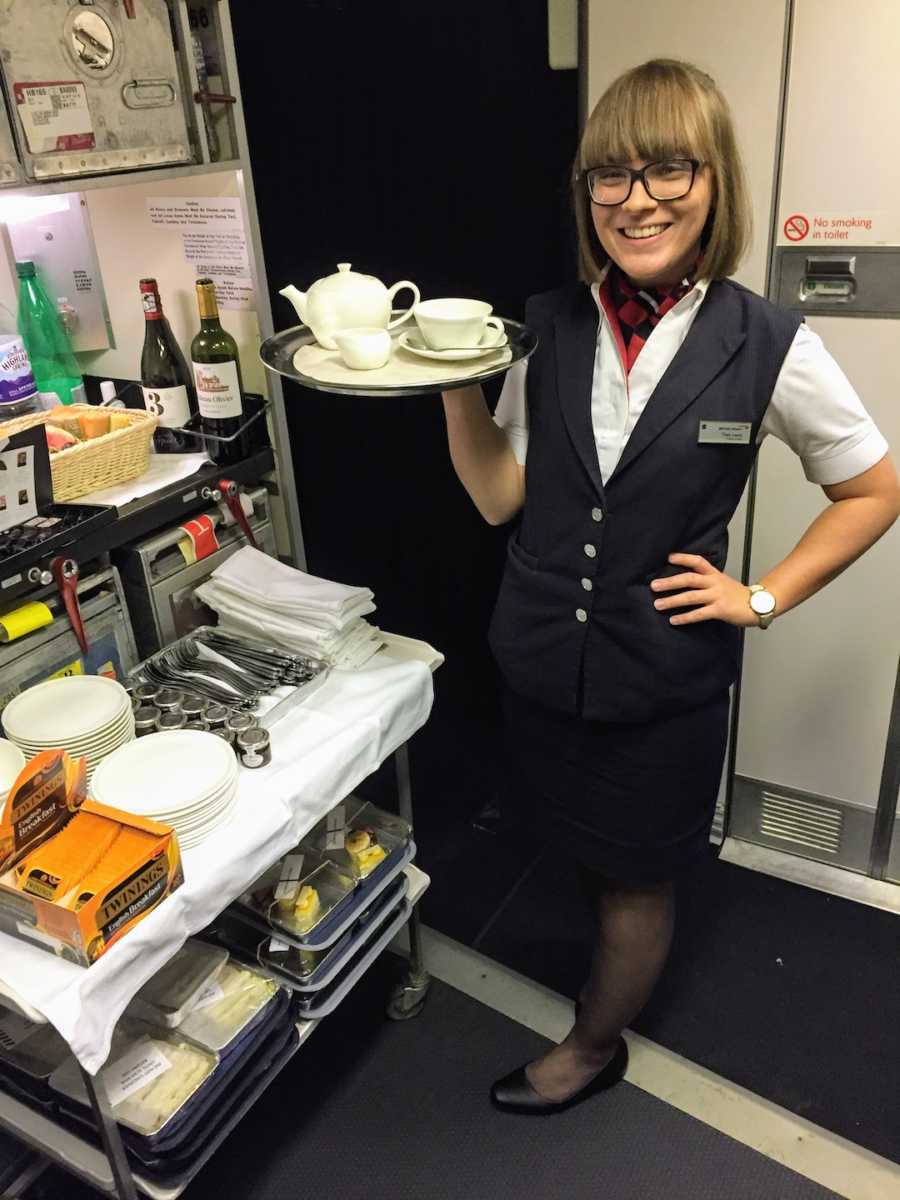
(320, 751)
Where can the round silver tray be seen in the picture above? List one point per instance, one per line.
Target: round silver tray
(277, 353)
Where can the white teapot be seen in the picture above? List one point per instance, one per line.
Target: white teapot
(347, 300)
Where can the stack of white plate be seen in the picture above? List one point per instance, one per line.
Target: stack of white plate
(183, 777)
(12, 761)
(87, 715)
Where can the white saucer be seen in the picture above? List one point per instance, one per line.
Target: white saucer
(59, 711)
(412, 341)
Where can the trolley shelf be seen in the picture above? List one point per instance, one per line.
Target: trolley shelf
(83, 1158)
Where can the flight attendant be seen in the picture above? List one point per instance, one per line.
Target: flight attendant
(616, 630)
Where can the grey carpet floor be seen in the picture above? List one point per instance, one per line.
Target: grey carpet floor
(373, 1110)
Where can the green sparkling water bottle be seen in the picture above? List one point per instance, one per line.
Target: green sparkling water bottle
(52, 358)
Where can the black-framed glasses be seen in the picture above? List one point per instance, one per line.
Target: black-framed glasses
(669, 179)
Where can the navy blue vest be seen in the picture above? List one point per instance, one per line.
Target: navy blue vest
(574, 626)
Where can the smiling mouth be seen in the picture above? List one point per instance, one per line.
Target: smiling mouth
(642, 233)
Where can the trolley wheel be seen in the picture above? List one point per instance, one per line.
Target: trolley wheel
(408, 998)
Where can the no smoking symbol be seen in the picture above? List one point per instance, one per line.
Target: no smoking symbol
(796, 228)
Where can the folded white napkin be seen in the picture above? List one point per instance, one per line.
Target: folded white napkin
(313, 616)
(259, 576)
(351, 645)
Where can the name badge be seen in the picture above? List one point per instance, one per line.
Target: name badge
(724, 433)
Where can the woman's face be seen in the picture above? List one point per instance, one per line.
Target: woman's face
(655, 242)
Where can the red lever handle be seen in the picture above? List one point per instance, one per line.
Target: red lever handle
(232, 498)
(128, 5)
(214, 98)
(65, 572)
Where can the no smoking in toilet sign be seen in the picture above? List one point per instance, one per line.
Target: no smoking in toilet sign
(796, 227)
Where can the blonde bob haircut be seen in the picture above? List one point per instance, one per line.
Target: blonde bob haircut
(664, 109)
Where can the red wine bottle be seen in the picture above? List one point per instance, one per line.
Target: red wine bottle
(165, 380)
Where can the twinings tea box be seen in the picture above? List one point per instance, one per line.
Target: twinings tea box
(83, 887)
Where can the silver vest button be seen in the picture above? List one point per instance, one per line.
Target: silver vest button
(590, 551)
(581, 615)
(596, 514)
(587, 585)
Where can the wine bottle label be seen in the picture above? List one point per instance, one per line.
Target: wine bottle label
(169, 405)
(218, 390)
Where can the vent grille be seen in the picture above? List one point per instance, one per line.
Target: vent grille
(806, 823)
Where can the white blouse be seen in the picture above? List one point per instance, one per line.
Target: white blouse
(814, 409)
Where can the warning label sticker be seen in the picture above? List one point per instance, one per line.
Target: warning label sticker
(812, 227)
(55, 116)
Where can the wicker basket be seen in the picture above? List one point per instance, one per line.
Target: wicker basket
(99, 463)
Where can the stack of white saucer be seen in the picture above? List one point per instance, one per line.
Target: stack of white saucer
(89, 716)
(185, 778)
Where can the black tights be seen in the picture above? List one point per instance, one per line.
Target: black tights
(634, 933)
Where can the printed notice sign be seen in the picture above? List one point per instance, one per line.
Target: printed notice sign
(214, 241)
(813, 227)
(134, 1070)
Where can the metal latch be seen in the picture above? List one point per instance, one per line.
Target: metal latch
(829, 278)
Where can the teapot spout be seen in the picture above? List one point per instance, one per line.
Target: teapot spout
(297, 298)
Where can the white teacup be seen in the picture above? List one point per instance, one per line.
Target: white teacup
(365, 348)
(455, 324)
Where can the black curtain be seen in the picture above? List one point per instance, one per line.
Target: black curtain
(432, 142)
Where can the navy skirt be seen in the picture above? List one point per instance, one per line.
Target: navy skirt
(633, 802)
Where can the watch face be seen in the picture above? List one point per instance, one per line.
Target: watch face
(762, 603)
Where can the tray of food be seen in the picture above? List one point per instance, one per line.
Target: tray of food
(309, 902)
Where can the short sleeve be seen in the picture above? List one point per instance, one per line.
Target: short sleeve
(511, 414)
(815, 410)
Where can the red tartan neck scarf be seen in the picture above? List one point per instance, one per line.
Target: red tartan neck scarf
(640, 309)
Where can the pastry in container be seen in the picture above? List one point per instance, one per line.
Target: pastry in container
(300, 893)
(360, 837)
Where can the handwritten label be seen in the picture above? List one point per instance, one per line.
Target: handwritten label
(143, 1063)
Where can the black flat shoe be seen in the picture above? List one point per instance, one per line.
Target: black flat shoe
(515, 1094)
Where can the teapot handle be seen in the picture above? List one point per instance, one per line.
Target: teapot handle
(398, 287)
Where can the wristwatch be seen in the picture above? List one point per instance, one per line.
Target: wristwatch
(763, 604)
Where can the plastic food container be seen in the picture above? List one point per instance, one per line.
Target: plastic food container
(315, 1005)
(172, 1162)
(359, 837)
(150, 1075)
(278, 899)
(235, 999)
(259, 908)
(303, 969)
(170, 995)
